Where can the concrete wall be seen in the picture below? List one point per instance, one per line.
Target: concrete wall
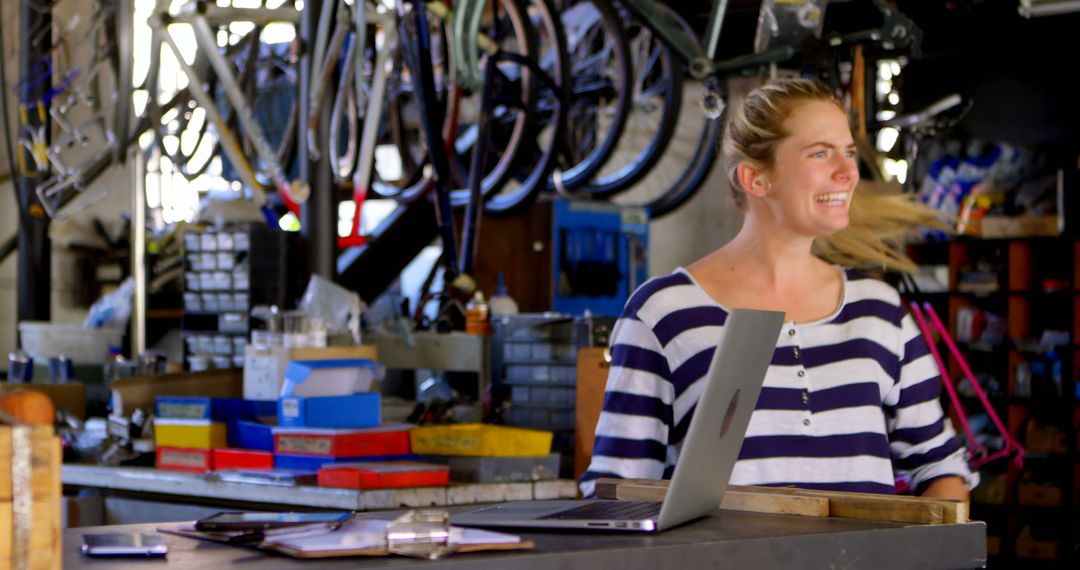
(115, 202)
(708, 220)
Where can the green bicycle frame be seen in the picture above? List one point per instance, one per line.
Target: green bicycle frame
(698, 56)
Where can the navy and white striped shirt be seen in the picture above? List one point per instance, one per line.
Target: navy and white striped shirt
(849, 402)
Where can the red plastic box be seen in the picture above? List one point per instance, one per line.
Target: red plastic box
(181, 459)
(384, 440)
(243, 459)
(383, 475)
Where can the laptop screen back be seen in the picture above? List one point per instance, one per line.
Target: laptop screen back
(723, 411)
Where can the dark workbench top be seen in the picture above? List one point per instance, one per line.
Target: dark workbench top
(726, 539)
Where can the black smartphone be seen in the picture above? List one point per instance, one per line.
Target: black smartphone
(260, 521)
(124, 544)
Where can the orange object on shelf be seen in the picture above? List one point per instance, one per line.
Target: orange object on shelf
(28, 406)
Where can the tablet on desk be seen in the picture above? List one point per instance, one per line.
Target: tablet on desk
(124, 544)
(258, 521)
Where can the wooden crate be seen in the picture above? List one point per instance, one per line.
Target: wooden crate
(43, 549)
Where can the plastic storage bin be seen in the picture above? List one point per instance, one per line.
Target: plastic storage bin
(83, 346)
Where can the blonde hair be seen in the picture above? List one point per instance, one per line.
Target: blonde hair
(880, 221)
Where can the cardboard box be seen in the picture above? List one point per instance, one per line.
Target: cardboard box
(264, 369)
(1038, 495)
(189, 434)
(40, 547)
(70, 397)
(1046, 440)
(1020, 226)
(1028, 547)
(142, 391)
(310, 378)
(380, 441)
(354, 411)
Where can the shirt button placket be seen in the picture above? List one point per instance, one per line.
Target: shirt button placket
(801, 374)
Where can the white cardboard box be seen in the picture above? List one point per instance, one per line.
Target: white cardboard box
(264, 369)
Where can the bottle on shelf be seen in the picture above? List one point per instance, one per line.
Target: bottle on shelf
(477, 316)
(501, 302)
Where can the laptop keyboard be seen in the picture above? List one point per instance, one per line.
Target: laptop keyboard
(610, 510)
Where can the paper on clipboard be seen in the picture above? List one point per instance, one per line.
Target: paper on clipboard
(362, 534)
(357, 534)
(461, 535)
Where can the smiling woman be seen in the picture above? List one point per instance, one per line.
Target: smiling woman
(850, 401)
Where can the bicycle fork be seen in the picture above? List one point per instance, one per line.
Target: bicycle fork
(418, 50)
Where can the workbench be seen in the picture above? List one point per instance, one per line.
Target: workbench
(726, 539)
(153, 495)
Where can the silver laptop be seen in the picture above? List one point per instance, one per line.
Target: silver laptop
(708, 454)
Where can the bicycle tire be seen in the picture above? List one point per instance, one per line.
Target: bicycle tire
(696, 173)
(124, 32)
(700, 147)
(512, 129)
(586, 161)
(396, 130)
(546, 129)
(658, 84)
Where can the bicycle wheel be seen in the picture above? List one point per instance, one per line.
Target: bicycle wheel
(548, 72)
(400, 167)
(123, 30)
(601, 89)
(690, 153)
(657, 101)
(505, 27)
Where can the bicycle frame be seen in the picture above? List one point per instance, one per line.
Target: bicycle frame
(702, 58)
(372, 117)
(697, 55)
(204, 36)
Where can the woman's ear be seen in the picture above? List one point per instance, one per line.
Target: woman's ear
(752, 179)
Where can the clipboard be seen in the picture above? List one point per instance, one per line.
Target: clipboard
(363, 537)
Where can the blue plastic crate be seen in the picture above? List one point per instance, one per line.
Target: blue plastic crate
(215, 409)
(245, 434)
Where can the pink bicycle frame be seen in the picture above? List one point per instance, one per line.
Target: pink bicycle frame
(978, 454)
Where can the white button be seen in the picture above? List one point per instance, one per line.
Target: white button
(801, 373)
(806, 422)
(791, 332)
(806, 399)
(795, 351)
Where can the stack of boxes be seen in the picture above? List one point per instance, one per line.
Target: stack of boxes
(196, 433)
(481, 453)
(331, 423)
(326, 422)
(534, 368)
(228, 271)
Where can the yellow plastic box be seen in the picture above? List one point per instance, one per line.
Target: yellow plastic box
(190, 434)
(480, 440)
